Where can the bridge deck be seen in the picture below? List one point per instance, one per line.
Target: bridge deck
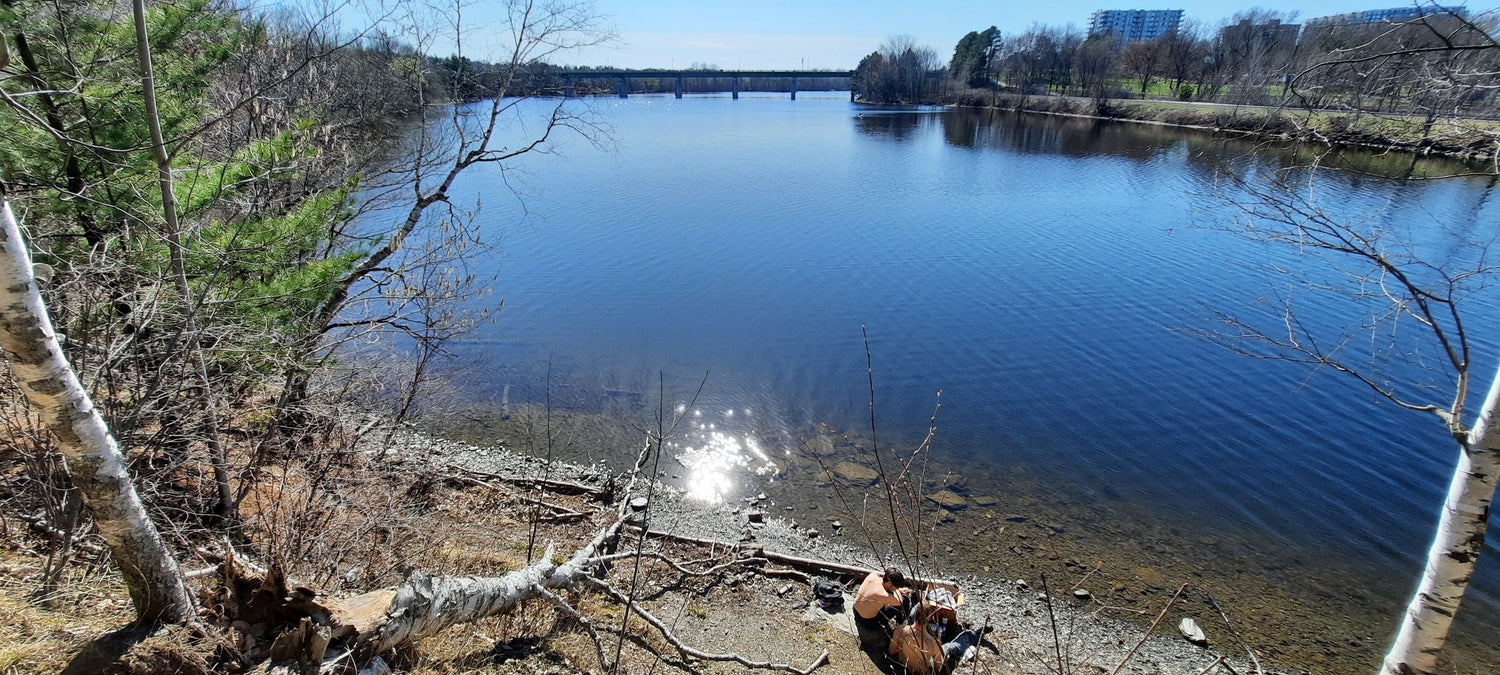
(615, 74)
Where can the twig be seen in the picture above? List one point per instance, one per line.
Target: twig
(1056, 638)
(566, 608)
(690, 652)
(1123, 609)
(1235, 633)
(1086, 577)
(1131, 653)
(1213, 665)
(982, 631)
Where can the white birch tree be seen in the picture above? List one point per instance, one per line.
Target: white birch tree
(95, 463)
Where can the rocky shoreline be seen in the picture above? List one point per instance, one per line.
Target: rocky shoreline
(1090, 637)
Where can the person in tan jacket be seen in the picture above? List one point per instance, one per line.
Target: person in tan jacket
(917, 645)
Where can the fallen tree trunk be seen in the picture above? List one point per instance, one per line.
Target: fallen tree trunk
(424, 605)
(367, 625)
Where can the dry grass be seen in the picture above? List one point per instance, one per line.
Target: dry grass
(41, 637)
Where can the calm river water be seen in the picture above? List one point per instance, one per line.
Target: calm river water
(1046, 275)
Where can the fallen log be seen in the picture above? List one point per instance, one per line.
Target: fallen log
(560, 513)
(826, 566)
(425, 605)
(558, 486)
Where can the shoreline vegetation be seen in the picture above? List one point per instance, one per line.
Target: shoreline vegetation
(1469, 140)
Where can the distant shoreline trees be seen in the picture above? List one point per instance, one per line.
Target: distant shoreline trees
(1256, 57)
(901, 71)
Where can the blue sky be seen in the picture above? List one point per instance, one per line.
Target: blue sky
(783, 34)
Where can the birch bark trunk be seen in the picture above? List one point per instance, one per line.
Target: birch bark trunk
(426, 605)
(1450, 561)
(94, 460)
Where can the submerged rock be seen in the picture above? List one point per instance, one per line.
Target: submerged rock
(948, 499)
(856, 473)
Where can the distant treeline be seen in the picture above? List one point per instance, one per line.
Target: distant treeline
(477, 80)
(1442, 64)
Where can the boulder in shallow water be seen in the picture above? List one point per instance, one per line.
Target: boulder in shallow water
(857, 474)
(948, 499)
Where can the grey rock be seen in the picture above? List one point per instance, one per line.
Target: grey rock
(1192, 632)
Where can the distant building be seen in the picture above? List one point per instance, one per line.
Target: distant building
(1272, 32)
(1393, 15)
(1125, 26)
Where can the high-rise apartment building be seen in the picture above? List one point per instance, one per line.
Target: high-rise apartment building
(1130, 25)
(1392, 15)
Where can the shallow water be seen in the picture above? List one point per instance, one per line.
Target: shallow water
(1045, 274)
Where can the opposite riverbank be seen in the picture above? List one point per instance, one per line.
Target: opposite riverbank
(1470, 140)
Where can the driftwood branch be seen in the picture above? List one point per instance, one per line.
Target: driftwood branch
(656, 555)
(825, 566)
(558, 486)
(690, 652)
(1164, 609)
(567, 609)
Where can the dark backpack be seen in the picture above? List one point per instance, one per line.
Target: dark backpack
(829, 595)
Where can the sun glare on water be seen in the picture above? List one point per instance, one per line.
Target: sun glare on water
(716, 460)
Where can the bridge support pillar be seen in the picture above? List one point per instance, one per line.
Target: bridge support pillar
(794, 87)
(679, 87)
(624, 88)
(567, 87)
(735, 88)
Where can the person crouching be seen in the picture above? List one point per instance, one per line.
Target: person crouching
(877, 607)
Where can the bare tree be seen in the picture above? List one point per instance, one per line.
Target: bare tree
(357, 301)
(1144, 60)
(1094, 66)
(1184, 53)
